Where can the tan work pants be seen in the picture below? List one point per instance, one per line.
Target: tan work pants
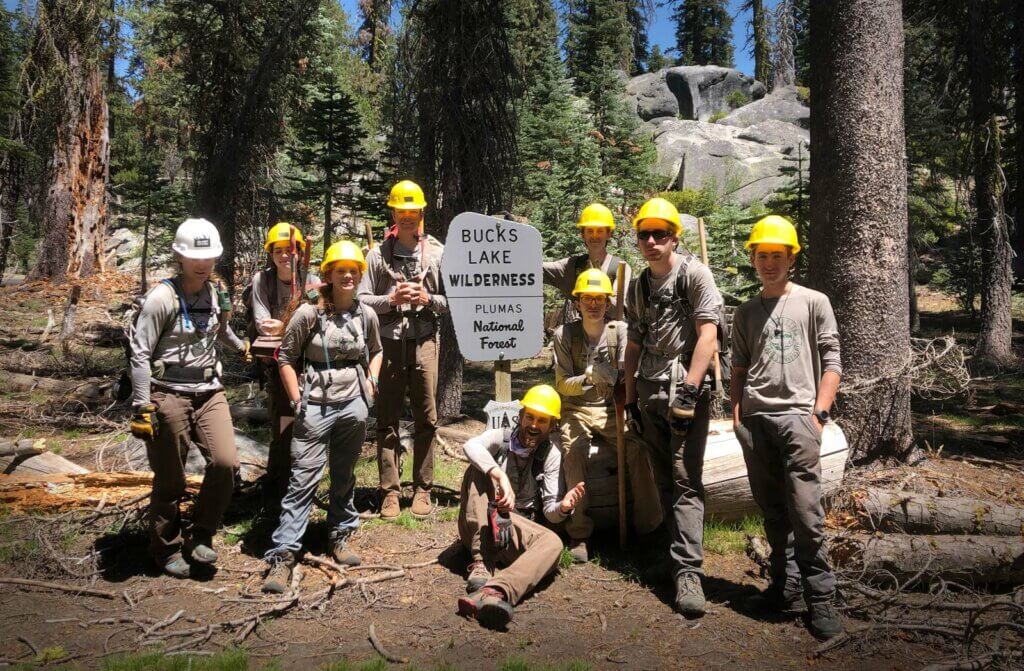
(518, 568)
(206, 420)
(418, 379)
(581, 427)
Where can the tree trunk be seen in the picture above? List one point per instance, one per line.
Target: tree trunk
(858, 228)
(10, 183)
(976, 559)
(923, 514)
(762, 47)
(1018, 75)
(784, 65)
(915, 314)
(75, 211)
(994, 338)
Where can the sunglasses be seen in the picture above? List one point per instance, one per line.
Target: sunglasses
(592, 300)
(657, 235)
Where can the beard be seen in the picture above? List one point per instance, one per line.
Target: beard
(531, 437)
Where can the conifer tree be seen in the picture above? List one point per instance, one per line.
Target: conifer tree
(704, 32)
(13, 152)
(638, 13)
(374, 36)
(657, 60)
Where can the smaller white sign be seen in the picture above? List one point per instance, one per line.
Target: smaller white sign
(502, 415)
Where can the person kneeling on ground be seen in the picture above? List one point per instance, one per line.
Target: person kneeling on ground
(588, 367)
(338, 338)
(513, 478)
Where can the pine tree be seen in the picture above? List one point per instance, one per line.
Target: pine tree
(13, 152)
(560, 159)
(657, 60)
(330, 144)
(598, 44)
(374, 36)
(638, 13)
(760, 46)
(704, 32)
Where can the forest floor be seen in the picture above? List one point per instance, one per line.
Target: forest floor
(593, 616)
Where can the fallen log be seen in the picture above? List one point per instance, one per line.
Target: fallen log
(92, 389)
(41, 464)
(245, 413)
(909, 512)
(973, 559)
(131, 455)
(22, 448)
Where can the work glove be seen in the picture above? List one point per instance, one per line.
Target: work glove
(605, 374)
(635, 419)
(501, 525)
(683, 408)
(144, 422)
(246, 351)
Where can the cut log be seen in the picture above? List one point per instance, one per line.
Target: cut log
(972, 559)
(92, 389)
(44, 463)
(22, 448)
(922, 514)
(130, 455)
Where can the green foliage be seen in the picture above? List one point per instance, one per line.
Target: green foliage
(232, 660)
(703, 32)
(698, 203)
(598, 44)
(717, 116)
(657, 60)
(737, 99)
(723, 538)
(518, 664)
(637, 15)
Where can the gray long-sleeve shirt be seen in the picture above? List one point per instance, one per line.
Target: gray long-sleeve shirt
(786, 344)
(666, 326)
(561, 274)
(545, 490)
(163, 334)
(574, 353)
(346, 344)
(263, 291)
(378, 283)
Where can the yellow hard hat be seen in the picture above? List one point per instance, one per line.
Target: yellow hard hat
(407, 195)
(282, 232)
(597, 216)
(659, 208)
(543, 399)
(592, 281)
(773, 230)
(343, 250)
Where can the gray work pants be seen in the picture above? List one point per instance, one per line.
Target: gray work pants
(324, 435)
(783, 456)
(678, 463)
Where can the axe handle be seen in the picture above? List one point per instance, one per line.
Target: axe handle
(715, 363)
(620, 405)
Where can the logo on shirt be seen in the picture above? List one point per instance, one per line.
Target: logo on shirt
(784, 340)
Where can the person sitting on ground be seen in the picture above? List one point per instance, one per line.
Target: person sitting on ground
(339, 340)
(178, 398)
(511, 483)
(588, 367)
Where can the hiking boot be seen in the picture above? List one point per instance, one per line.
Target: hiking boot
(342, 554)
(202, 548)
(824, 621)
(689, 595)
(778, 600)
(421, 505)
(578, 550)
(390, 509)
(478, 577)
(489, 606)
(177, 568)
(279, 573)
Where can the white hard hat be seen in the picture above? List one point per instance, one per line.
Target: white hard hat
(197, 239)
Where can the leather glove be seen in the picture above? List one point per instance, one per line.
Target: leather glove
(684, 405)
(606, 374)
(144, 422)
(501, 525)
(246, 351)
(635, 419)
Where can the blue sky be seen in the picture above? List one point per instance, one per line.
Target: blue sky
(661, 31)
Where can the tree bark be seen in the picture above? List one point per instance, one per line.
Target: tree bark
(996, 331)
(858, 233)
(923, 514)
(762, 46)
(75, 210)
(784, 66)
(978, 559)
(1018, 75)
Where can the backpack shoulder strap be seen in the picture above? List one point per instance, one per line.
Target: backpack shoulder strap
(506, 443)
(540, 458)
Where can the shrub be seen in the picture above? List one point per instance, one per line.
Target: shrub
(717, 116)
(737, 99)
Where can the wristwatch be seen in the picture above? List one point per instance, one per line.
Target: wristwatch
(822, 415)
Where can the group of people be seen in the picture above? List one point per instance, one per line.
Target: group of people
(368, 334)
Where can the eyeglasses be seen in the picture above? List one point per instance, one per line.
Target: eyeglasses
(592, 300)
(657, 234)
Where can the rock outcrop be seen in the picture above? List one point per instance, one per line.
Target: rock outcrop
(690, 92)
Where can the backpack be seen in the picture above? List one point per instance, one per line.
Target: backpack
(122, 388)
(362, 367)
(724, 330)
(540, 456)
(250, 318)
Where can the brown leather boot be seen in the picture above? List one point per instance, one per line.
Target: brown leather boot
(421, 505)
(390, 509)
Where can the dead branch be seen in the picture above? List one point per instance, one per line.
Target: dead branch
(975, 663)
(71, 589)
(379, 647)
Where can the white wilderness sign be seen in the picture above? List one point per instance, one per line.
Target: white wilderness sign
(492, 277)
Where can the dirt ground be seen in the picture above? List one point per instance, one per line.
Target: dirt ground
(600, 615)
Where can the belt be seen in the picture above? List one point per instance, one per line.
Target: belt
(186, 374)
(321, 366)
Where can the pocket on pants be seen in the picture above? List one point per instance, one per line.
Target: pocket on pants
(808, 423)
